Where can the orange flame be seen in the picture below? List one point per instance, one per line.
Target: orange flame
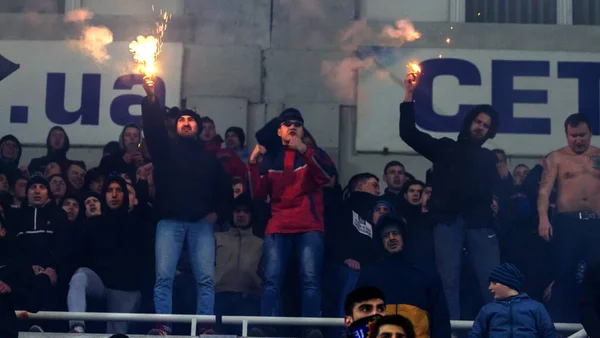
(415, 68)
(146, 49)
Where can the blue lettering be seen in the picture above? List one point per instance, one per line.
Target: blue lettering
(89, 111)
(504, 96)
(467, 75)
(120, 106)
(588, 74)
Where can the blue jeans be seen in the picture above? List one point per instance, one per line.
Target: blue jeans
(170, 235)
(308, 247)
(482, 245)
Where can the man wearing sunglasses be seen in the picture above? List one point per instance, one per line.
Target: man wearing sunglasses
(292, 174)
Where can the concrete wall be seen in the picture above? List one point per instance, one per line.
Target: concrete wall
(247, 60)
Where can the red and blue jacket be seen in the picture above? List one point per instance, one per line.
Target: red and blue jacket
(294, 182)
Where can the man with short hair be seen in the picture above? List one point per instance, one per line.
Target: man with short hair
(576, 229)
(412, 192)
(395, 326)
(355, 230)
(10, 154)
(363, 302)
(363, 182)
(17, 190)
(464, 182)
(519, 174)
(75, 177)
(228, 157)
(192, 189)
(394, 176)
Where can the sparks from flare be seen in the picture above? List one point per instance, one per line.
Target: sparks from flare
(146, 49)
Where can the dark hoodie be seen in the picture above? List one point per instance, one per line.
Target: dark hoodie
(352, 236)
(465, 176)
(113, 244)
(190, 182)
(10, 167)
(59, 156)
(410, 291)
(115, 162)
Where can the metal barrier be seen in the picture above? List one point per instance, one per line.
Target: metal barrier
(579, 334)
(245, 321)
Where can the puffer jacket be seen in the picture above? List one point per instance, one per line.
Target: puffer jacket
(518, 317)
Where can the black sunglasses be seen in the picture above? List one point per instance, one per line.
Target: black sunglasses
(296, 124)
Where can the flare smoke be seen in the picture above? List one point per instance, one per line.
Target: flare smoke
(340, 75)
(93, 39)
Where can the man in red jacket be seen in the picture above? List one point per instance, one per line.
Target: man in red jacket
(230, 160)
(293, 175)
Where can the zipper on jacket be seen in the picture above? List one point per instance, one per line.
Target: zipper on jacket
(35, 218)
(239, 257)
(510, 317)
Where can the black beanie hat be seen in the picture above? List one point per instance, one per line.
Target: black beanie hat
(507, 274)
(38, 179)
(290, 114)
(239, 132)
(176, 114)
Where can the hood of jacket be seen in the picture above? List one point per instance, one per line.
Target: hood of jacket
(66, 145)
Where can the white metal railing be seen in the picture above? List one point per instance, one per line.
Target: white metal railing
(579, 334)
(240, 320)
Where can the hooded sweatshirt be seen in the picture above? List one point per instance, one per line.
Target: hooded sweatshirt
(113, 244)
(114, 162)
(10, 167)
(465, 177)
(59, 156)
(409, 290)
(190, 181)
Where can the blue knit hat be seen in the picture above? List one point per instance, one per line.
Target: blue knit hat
(507, 274)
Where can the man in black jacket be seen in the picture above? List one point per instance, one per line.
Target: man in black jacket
(192, 188)
(349, 243)
(465, 180)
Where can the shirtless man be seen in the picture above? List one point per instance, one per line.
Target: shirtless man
(576, 229)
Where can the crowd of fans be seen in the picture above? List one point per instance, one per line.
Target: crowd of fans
(178, 220)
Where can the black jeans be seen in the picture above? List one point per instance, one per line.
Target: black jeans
(574, 240)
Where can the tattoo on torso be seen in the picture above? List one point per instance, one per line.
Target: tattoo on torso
(595, 161)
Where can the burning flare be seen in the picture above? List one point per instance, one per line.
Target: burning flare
(414, 67)
(145, 50)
